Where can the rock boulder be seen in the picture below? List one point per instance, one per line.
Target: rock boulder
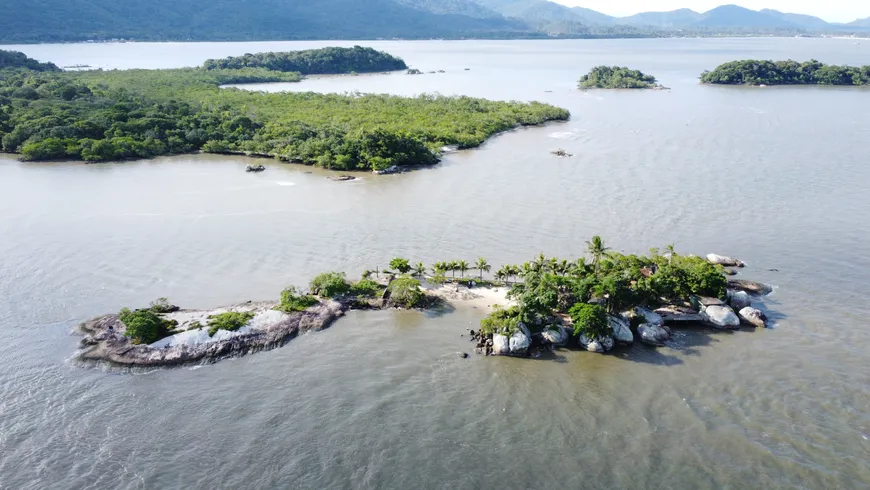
(751, 287)
(722, 317)
(753, 316)
(621, 331)
(519, 344)
(653, 334)
(556, 335)
(724, 260)
(738, 299)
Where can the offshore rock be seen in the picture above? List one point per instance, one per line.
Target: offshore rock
(751, 287)
(722, 317)
(724, 260)
(653, 334)
(739, 299)
(753, 316)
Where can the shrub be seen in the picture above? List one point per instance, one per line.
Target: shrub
(292, 301)
(230, 321)
(144, 326)
(405, 292)
(330, 285)
(504, 321)
(366, 288)
(162, 305)
(589, 320)
(400, 265)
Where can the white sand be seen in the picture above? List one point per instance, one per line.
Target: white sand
(484, 298)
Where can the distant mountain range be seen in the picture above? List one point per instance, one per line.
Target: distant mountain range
(239, 20)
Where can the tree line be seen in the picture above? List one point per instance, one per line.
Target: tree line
(763, 72)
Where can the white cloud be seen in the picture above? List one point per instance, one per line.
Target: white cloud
(830, 10)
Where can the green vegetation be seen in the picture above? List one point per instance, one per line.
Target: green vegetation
(145, 326)
(162, 305)
(589, 320)
(330, 285)
(292, 301)
(113, 115)
(482, 266)
(755, 72)
(402, 266)
(503, 321)
(613, 282)
(15, 59)
(405, 292)
(366, 288)
(314, 61)
(617, 77)
(229, 321)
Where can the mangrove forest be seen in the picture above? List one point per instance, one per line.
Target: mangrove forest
(616, 77)
(99, 115)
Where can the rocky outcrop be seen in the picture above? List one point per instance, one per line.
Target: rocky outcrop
(254, 168)
(652, 334)
(556, 335)
(674, 314)
(753, 316)
(721, 317)
(601, 345)
(751, 287)
(106, 341)
(621, 331)
(341, 178)
(738, 299)
(724, 261)
(645, 314)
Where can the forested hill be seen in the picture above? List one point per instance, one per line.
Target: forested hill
(237, 20)
(314, 62)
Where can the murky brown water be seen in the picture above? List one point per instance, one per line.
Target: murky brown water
(778, 177)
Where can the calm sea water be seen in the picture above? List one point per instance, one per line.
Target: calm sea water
(776, 176)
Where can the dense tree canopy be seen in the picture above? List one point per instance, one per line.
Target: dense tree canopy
(111, 115)
(755, 72)
(15, 59)
(617, 77)
(314, 61)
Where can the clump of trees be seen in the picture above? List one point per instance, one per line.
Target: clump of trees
(314, 61)
(230, 321)
(405, 292)
(762, 72)
(120, 114)
(616, 77)
(145, 326)
(610, 282)
(17, 59)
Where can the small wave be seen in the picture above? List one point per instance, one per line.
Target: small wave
(755, 110)
(563, 135)
(284, 183)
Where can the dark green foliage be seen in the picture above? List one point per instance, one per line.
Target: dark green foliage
(15, 59)
(756, 72)
(589, 320)
(314, 61)
(503, 321)
(400, 265)
(616, 77)
(366, 288)
(405, 292)
(114, 115)
(292, 301)
(162, 305)
(330, 285)
(230, 321)
(144, 326)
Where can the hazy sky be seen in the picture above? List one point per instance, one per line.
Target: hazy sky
(830, 10)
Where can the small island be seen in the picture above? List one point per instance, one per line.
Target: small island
(617, 77)
(612, 299)
(758, 72)
(98, 116)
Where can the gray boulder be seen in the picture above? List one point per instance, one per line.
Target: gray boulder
(724, 260)
(739, 299)
(500, 345)
(603, 344)
(721, 317)
(646, 314)
(751, 287)
(621, 330)
(753, 316)
(652, 334)
(519, 344)
(556, 335)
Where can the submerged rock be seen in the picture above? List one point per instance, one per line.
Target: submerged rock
(751, 287)
(653, 334)
(254, 168)
(753, 316)
(621, 330)
(739, 299)
(722, 317)
(341, 178)
(724, 260)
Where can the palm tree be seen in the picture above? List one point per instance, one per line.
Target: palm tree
(420, 270)
(500, 275)
(483, 266)
(513, 270)
(596, 249)
(504, 274)
(462, 266)
(451, 266)
(671, 253)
